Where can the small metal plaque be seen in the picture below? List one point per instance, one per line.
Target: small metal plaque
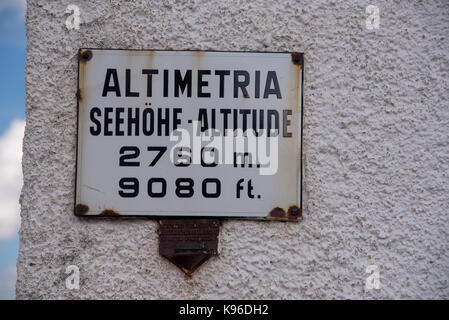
(188, 243)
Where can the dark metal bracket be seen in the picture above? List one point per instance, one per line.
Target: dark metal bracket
(188, 243)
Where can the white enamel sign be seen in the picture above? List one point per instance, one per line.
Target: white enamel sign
(189, 133)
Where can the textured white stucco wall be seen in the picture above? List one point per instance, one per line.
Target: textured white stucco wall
(376, 151)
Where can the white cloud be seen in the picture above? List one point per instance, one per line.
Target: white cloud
(19, 5)
(10, 179)
(8, 283)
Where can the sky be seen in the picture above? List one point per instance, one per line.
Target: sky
(12, 122)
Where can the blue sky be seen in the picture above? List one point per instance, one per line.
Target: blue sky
(12, 114)
(12, 63)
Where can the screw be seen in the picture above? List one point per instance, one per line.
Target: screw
(294, 212)
(297, 58)
(85, 56)
(277, 212)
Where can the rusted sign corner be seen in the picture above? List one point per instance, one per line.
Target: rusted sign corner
(294, 213)
(297, 58)
(188, 243)
(84, 55)
(81, 210)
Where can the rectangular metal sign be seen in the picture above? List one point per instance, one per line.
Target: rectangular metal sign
(189, 133)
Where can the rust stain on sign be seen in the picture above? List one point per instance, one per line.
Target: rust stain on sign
(78, 95)
(84, 56)
(109, 213)
(294, 213)
(81, 209)
(188, 243)
(297, 58)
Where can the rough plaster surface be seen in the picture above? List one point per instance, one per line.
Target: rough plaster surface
(376, 150)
